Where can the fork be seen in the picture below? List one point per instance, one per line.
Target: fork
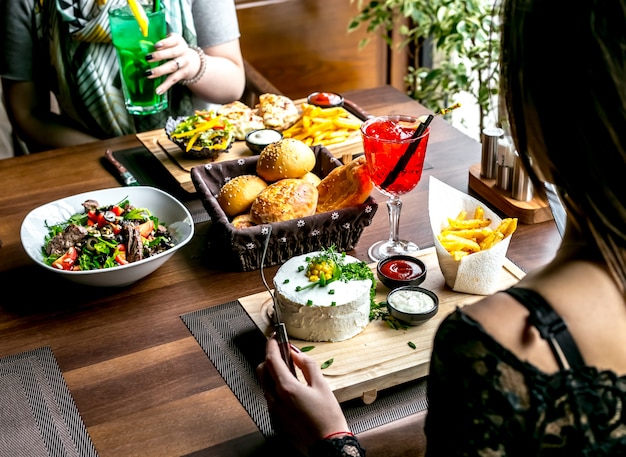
(280, 331)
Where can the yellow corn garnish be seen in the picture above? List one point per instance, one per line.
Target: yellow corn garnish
(319, 270)
(140, 16)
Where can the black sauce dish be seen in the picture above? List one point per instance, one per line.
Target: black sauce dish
(401, 270)
(412, 304)
(257, 140)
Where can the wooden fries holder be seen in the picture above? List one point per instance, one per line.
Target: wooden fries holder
(533, 211)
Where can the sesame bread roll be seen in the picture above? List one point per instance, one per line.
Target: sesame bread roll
(284, 200)
(286, 158)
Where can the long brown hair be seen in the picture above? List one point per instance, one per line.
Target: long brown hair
(563, 73)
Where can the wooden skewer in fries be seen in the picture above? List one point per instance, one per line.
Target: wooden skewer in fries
(465, 236)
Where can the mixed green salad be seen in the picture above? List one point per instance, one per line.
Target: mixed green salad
(105, 237)
(205, 129)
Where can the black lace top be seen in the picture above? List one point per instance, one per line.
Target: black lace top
(484, 401)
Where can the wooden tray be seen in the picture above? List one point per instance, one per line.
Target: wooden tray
(175, 161)
(530, 212)
(380, 357)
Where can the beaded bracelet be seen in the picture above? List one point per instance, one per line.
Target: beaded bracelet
(195, 79)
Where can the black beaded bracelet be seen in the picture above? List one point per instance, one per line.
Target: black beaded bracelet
(195, 79)
(346, 446)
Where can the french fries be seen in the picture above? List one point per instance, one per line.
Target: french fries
(465, 236)
(323, 126)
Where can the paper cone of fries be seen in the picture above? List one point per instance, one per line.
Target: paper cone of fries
(469, 268)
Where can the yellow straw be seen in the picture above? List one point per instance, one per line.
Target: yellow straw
(140, 16)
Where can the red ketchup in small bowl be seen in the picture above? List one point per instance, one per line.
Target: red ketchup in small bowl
(325, 99)
(401, 269)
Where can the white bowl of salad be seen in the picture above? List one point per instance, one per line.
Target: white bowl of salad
(109, 237)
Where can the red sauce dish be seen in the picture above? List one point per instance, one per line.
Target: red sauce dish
(325, 99)
(401, 270)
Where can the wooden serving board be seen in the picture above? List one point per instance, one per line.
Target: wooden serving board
(530, 212)
(380, 357)
(179, 165)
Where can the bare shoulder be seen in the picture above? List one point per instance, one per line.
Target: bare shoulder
(506, 320)
(595, 317)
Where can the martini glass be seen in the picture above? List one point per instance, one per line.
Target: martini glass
(394, 152)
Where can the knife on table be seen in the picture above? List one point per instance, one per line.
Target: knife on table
(280, 331)
(127, 178)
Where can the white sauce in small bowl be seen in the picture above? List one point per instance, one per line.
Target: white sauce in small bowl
(411, 301)
(264, 136)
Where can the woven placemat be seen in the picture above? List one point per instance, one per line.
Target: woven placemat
(236, 346)
(38, 416)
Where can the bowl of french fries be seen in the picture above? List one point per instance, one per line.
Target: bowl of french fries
(324, 126)
(471, 240)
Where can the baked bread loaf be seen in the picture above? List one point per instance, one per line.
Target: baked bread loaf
(237, 195)
(344, 186)
(284, 200)
(312, 178)
(286, 158)
(242, 118)
(278, 111)
(242, 221)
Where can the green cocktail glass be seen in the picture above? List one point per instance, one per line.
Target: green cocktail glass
(132, 46)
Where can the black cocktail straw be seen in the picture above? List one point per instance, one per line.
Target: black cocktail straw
(410, 150)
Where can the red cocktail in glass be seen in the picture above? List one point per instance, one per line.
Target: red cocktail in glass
(395, 160)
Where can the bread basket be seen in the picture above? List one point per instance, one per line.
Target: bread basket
(241, 249)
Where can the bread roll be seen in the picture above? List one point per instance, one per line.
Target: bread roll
(346, 185)
(312, 178)
(283, 200)
(243, 221)
(237, 195)
(286, 158)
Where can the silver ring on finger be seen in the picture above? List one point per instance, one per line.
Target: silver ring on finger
(177, 64)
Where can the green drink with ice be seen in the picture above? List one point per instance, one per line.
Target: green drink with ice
(132, 46)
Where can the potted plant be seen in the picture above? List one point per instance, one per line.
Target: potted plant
(462, 38)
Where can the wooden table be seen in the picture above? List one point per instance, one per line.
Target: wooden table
(139, 379)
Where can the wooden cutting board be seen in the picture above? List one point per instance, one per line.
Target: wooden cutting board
(179, 165)
(380, 357)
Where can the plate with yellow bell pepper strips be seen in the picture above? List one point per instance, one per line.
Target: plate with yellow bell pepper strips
(203, 135)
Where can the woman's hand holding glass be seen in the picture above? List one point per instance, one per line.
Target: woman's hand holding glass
(179, 62)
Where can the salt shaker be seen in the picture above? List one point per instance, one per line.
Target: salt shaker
(521, 185)
(488, 160)
(504, 164)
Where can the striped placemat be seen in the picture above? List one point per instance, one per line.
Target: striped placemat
(235, 346)
(38, 416)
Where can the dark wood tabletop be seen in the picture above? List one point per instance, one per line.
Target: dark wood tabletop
(140, 380)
